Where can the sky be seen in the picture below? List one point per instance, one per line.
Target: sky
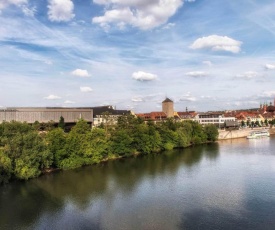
(205, 55)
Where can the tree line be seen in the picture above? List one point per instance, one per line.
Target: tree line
(26, 152)
(258, 123)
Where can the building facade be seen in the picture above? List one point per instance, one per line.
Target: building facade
(168, 107)
(217, 119)
(47, 114)
(107, 115)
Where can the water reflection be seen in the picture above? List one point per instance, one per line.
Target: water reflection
(212, 186)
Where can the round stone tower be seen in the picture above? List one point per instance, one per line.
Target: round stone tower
(168, 107)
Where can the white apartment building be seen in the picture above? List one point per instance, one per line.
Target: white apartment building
(217, 119)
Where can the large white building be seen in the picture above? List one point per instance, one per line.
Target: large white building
(217, 119)
(46, 114)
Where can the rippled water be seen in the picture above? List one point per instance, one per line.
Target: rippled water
(227, 185)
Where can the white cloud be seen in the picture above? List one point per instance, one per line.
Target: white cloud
(80, 73)
(60, 10)
(85, 89)
(208, 98)
(69, 102)
(6, 3)
(268, 94)
(142, 14)
(217, 43)
(142, 76)
(137, 99)
(48, 62)
(270, 66)
(29, 11)
(188, 97)
(209, 63)
(248, 75)
(52, 97)
(168, 26)
(196, 74)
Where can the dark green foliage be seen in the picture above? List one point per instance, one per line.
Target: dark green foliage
(25, 152)
(61, 123)
(25, 149)
(5, 168)
(211, 132)
(121, 143)
(56, 139)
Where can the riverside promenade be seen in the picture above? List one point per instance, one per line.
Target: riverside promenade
(242, 133)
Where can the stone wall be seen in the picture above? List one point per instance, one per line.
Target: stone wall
(224, 134)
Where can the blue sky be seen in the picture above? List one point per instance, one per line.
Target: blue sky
(203, 54)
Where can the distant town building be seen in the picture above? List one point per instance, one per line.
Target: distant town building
(189, 115)
(44, 115)
(107, 114)
(217, 118)
(153, 116)
(168, 107)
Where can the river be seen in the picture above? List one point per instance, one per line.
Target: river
(225, 185)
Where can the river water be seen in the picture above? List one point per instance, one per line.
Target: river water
(226, 185)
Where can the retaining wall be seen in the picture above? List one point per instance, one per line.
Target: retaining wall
(225, 134)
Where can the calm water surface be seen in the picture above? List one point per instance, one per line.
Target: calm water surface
(228, 185)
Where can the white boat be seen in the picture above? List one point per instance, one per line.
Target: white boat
(258, 134)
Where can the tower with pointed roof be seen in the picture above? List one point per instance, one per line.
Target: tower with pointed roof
(168, 107)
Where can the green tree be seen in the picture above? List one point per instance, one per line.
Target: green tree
(198, 134)
(128, 122)
(36, 125)
(169, 137)
(96, 148)
(61, 123)
(121, 143)
(211, 132)
(5, 168)
(73, 152)
(183, 138)
(56, 139)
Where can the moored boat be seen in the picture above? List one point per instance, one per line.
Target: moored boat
(258, 134)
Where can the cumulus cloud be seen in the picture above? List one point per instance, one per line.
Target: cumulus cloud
(80, 73)
(60, 10)
(248, 75)
(270, 66)
(217, 43)
(5, 3)
(52, 97)
(69, 102)
(85, 89)
(142, 14)
(196, 74)
(142, 76)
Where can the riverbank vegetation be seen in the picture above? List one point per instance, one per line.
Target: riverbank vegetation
(26, 152)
